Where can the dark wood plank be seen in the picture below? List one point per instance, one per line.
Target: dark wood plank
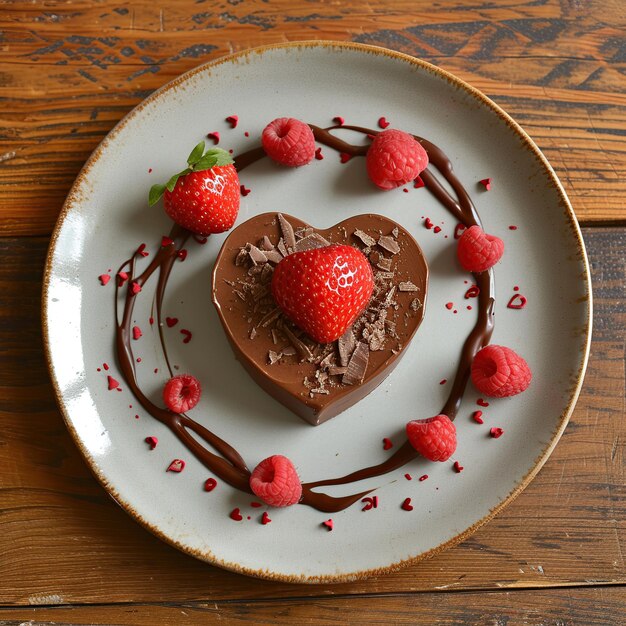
(69, 72)
(62, 540)
(599, 606)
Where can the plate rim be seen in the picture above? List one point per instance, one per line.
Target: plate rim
(458, 538)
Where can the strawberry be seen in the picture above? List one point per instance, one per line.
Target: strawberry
(323, 290)
(204, 197)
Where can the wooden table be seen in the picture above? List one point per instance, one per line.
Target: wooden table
(68, 72)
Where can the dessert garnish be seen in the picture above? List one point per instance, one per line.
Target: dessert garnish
(499, 372)
(289, 142)
(276, 481)
(517, 301)
(478, 251)
(181, 393)
(406, 505)
(486, 183)
(496, 432)
(204, 197)
(434, 438)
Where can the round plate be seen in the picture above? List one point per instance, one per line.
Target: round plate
(106, 216)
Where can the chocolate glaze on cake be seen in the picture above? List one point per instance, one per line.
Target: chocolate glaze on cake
(252, 336)
(228, 464)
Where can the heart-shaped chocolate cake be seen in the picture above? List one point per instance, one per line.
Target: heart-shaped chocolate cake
(318, 381)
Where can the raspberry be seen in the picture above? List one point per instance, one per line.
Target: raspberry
(394, 159)
(289, 141)
(181, 393)
(276, 482)
(478, 251)
(499, 372)
(434, 438)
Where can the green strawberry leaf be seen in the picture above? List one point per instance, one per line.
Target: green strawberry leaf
(171, 183)
(196, 154)
(156, 191)
(213, 157)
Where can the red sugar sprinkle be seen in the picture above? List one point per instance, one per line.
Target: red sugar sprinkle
(345, 157)
(407, 191)
(486, 183)
(152, 442)
(171, 321)
(246, 134)
(328, 523)
(265, 519)
(233, 120)
(215, 136)
(458, 230)
(339, 120)
(187, 333)
(210, 484)
(423, 478)
(149, 170)
(182, 254)
(106, 366)
(142, 250)
(516, 288)
(231, 151)
(113, 384)
(472, 292)
(244, 190)
(98, 369)
(458, 468)
(437, 229)
(477, 416)
(518, 301)
(248, 517)
(135, 287)
(318, 154)
(166, 241)
(408, 476)
(481, 402)
(122, 277)
(151, 320)
(256, 505)
(428, 224)
(382, 122)
(236, 515)
(136, 417)
(455, 311)
(469, 307)
(177, 466)
(449, 305)
(136, 332)
(138, 359)
(201, 240)
(512, 227)
(387, 443)
(496, 432)
(406, 505)
(156, 369)
(443, 381)
(104, 279)
(375, 498)
(418, 183)
(369, 504)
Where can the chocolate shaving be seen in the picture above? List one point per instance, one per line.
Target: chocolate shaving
(346, 344)
(269, 317)
(241, 257)
(300, 346)
(289, 351)
(416, 304)
(319, 390)
(388, 243)
(287, 231)
(407, 286)
(310, 242)
(357, 365)
(273, 357)
(265, 244)
(281, 247)
(395, 232)
(365, 238)
(253, 333)
(256, 256)
(336, 370)
(384, 263)
(274, 255)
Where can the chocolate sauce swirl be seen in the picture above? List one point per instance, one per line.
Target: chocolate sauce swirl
(228, 464)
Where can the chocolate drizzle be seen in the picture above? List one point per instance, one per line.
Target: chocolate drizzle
(228, 463)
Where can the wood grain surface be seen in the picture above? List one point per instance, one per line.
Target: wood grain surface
(69, 70)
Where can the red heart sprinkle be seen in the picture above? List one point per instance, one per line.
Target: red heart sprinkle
(152, 442)
(187, 334)
(408, 476)
(177, 466)
(418, 183)
(244, 190)
(210, 484)
(166, 241)
(171, 321)
(369, 504)
(318, 154)
(477, 416)
(382, 122)
(496, 432)
(265, 519)
(104, 278)
(236, 515)
(214, 136)
(406, 505)
(122, 278)
(458, 468)
(387, 443)
(481, 402)
(486, 183)
(136, 332)
(472, 292)
(449, 305)
(339, 120)
(428, 224)
(233, 120)
(437, 229)
(135, 287)
(328, 523)
(459, 229)
(142, 250)
(182, 254)
(518, 301)
(345, 157)
(106, 366)
(113, 384)
(423, 478)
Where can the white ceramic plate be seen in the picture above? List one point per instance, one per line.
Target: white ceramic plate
(106, 216)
